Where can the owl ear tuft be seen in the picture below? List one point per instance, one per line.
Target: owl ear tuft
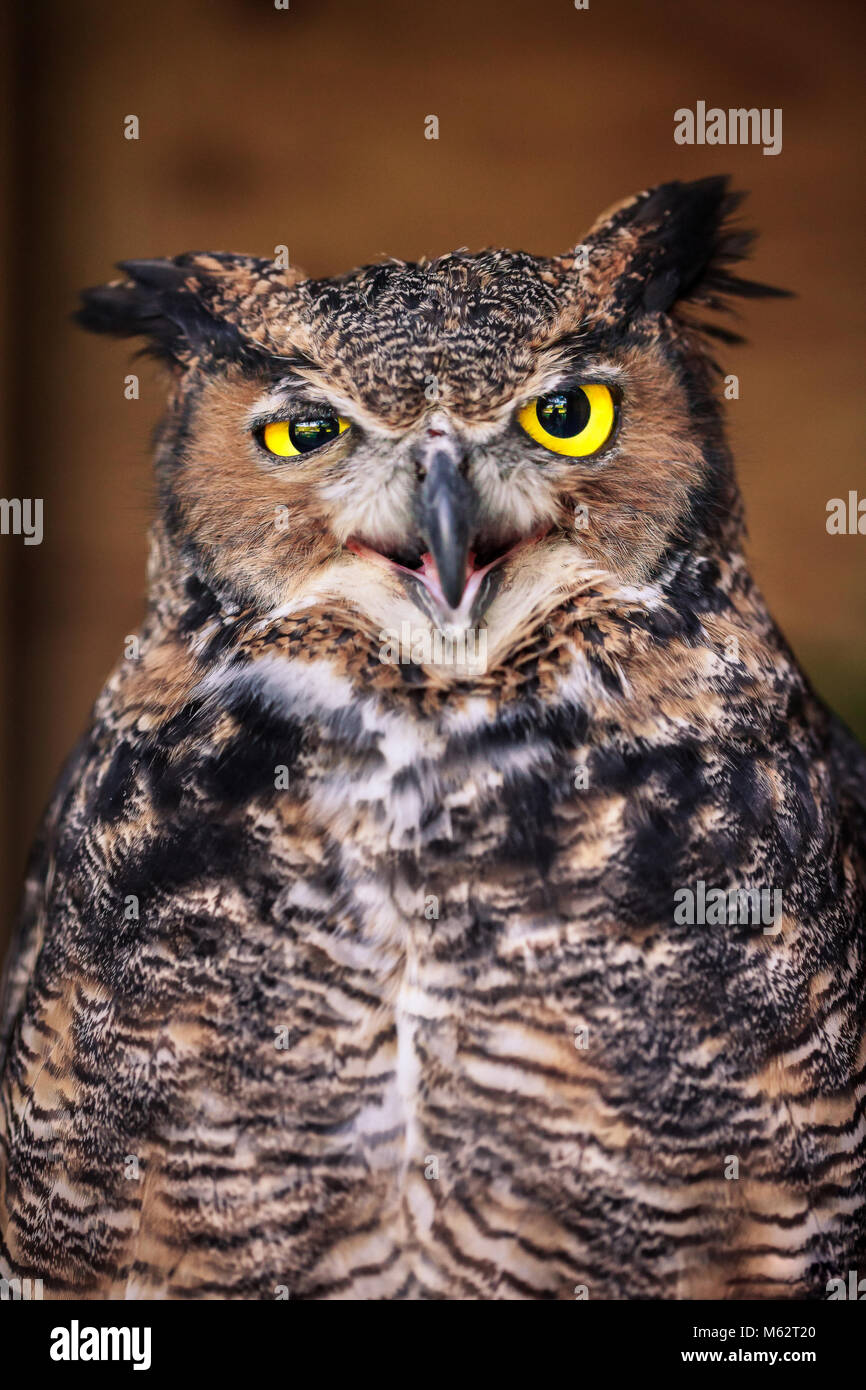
(175, 305)
(673, 245)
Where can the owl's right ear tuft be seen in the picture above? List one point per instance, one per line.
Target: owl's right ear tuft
(670, 247)
(165, 303)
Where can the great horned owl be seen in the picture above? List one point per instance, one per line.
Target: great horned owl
(459, 891)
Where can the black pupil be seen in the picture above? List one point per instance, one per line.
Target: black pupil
(309, 434)
(563, 413)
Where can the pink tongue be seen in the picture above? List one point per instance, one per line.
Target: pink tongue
(429, 576)
(428, 573)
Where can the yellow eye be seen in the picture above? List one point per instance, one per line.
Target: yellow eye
(289, 437)
(576, 421)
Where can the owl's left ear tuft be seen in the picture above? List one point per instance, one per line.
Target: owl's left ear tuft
(673, 245)
(179, 307)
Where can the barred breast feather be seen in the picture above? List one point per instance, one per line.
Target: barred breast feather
(344, 974)
(418, 1022)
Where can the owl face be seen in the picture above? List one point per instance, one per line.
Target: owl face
(456, 443)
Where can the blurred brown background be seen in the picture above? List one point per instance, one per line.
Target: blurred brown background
(306, 127)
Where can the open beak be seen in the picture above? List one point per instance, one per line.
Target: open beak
(453, 570)
(447, 509)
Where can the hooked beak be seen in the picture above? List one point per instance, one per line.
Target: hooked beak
(447, 509)
(458, 573)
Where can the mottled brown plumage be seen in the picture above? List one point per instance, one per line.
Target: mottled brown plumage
(369, 978)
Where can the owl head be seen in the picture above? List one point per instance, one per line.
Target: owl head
(461, 442)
